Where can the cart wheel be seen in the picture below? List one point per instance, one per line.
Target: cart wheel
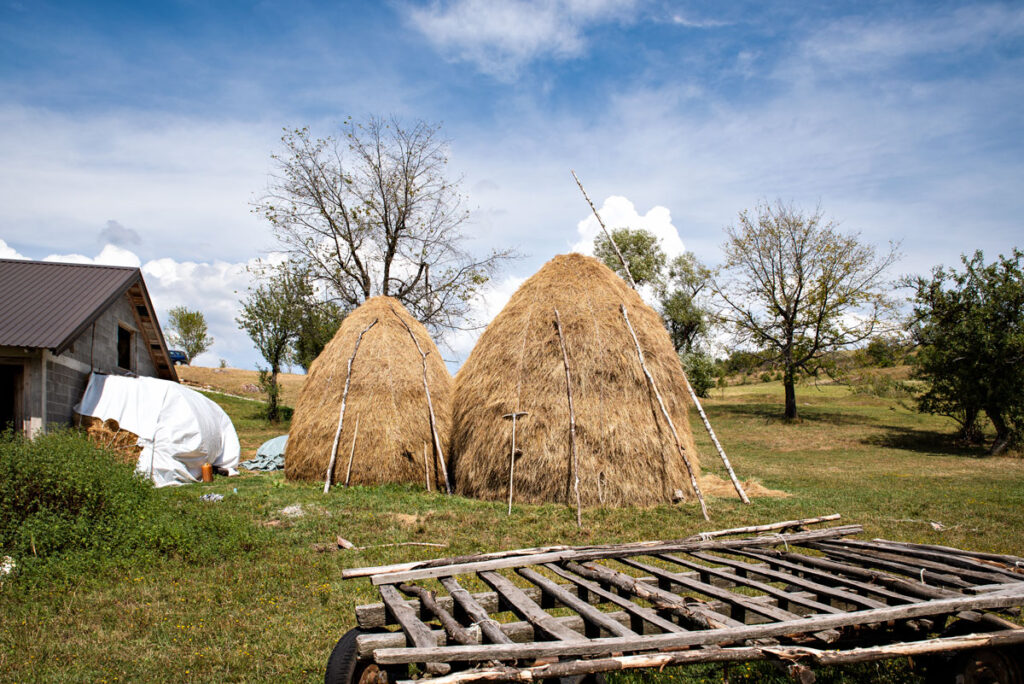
(343, 667)
(989, 666)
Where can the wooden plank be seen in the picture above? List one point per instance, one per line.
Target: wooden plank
(773, 558)
(645, 614)
(821, 590)
(582, 554)
(418, 633)
(475, 611)
(928, 560)
(1012, 596)
(697, 613)
(1011, 561)
(866, 560)
(427, 599)
(586, 611)
(740, 604)
(526, 608)
(754, 529)
(755, 584)
(572, 668)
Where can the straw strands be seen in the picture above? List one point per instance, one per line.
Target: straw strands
(386, 400)
(626, 453)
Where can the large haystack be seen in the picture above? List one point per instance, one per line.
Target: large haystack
(626, 453)
(386, 397)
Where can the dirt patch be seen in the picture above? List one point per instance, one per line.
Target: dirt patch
(712, 485)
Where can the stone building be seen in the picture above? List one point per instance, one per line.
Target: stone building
(60, 322)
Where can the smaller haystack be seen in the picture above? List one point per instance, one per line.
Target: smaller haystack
(386, 403)
(626, 453)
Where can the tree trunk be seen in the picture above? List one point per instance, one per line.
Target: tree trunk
(1002, 431)
(788, 380)
(272, 412)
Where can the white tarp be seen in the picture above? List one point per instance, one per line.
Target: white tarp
(179, 429)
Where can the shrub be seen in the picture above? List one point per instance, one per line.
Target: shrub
(69, 507)
(700, 370)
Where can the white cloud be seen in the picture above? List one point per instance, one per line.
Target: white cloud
(619, 212)
(8, 252)
(499, 37)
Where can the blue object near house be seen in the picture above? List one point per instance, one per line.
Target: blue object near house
(270, 455)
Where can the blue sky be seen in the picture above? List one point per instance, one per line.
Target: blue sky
(141, 132)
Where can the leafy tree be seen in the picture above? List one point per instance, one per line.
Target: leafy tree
(969, 325)
(272, 315)
(677, 284)
(687, 318)
(639, 248)
(318, 324)
(375, 214)
(188, 331)
(700, 371)
(797, 288)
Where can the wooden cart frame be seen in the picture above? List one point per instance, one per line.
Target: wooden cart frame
(790, 594)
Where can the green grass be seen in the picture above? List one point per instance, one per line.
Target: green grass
(274, 613)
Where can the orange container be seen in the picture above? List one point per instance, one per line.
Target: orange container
(207, 472)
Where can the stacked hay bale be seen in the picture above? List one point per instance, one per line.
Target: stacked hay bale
(109, 435)
(626, 453)
(386, 398)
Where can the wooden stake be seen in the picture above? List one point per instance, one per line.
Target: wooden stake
(341, 412)
(512, 460)
(714, 439)
(430, 405)
(668, 419)
(352, 453)
(426, 466)
(572, 422)
(622, 260)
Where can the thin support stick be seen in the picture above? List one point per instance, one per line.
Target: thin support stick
(341, 412)
(512, 459)
(572, 422)
(352, 453)
(714, 439)
(668, 419)
(426, 467)
(430, 406)
(622, 260)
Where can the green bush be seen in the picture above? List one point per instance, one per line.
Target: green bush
(700, 370)
(69, 507)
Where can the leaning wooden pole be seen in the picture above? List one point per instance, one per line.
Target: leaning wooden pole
(714, 439)
(622, 260)
(664, 413)
(352, 454)
(693, 395)
(572, 422)
(430, 406)
(341, 412)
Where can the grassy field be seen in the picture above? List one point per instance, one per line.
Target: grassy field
(275, 613)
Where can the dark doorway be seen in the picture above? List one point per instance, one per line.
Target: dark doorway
(10, 396)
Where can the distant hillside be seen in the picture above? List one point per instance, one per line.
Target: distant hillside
(242, 383)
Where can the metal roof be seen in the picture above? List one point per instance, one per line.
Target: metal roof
(47, 305)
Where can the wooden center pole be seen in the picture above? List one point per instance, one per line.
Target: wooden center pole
(352, 454)
(664, 413)
(572, 422)
(721, 452)
(341, 412)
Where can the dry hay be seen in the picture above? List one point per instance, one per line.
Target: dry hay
(626, 453)
(386, 397)
(712, 485)
(108, 434)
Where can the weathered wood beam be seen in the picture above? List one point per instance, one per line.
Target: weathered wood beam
(593, 647)
(526, 608)
(585, 610)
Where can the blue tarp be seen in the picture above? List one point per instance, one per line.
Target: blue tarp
(270, 455)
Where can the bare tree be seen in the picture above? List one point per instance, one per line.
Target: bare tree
(375, 214)
(795, 287)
